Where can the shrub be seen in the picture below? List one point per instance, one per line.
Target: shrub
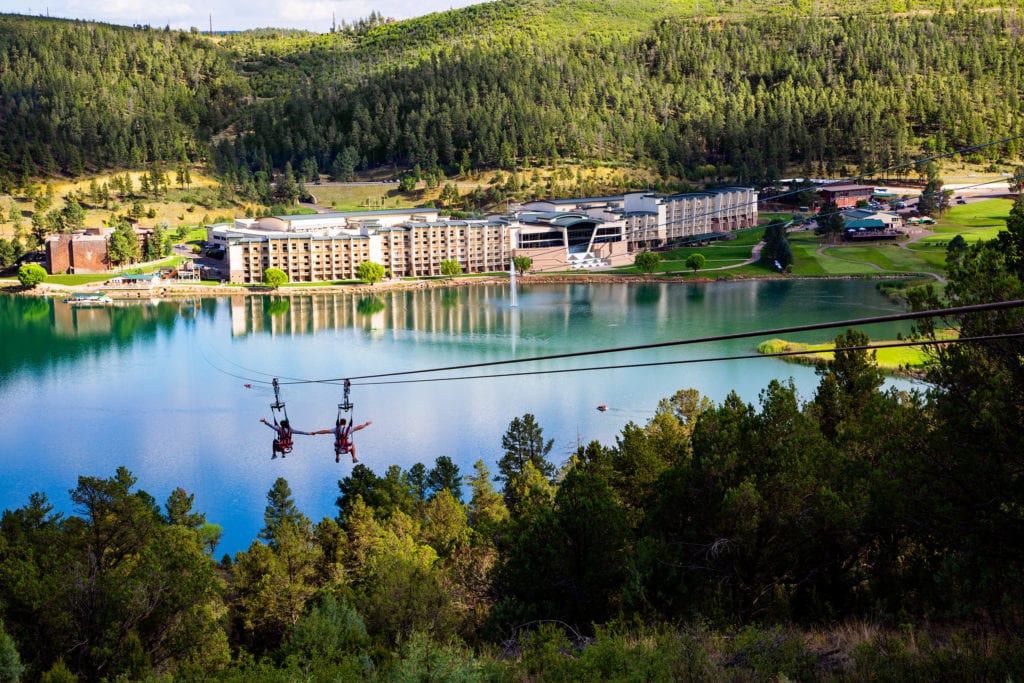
(31, 274)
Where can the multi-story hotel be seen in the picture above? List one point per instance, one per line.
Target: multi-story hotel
(555, 234)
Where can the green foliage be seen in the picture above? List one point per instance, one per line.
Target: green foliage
(123, 247)
(11, 667)
(487, 509)
(31, 274)
(773, 653)
(522, 264)
(331, 630)
(142, 593)
(647, 261)
(421, 659)
(776, 252)
(524, 464)
(569, 558)
(274, 277)
(107, 96)
(932, 201)
(444, 475)
(450, 268)
(695, 262)
(58, 673)
(830, 223)
(847, 384)
(370, 272)
(7, 253)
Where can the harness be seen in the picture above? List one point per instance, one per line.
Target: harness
(343, 435)
(283, 442)
(342, 439)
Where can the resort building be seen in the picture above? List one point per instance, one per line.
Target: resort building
(890, 219)
(651, 220)
(845, 196)
(84, 251)
(554, 234)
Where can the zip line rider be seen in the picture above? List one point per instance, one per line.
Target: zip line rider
(343, 437)
(283, 442)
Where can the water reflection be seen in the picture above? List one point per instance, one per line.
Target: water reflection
(41, 333)
(162, 389)
(648, 294)
(278, 307)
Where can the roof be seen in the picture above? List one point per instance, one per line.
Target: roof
(723, 190)
(846, 188)
(581, 200)
(558, 219)
(865, 223)
(299, 217)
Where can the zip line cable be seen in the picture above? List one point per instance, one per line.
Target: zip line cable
(897, 317)
(714, 359)
(818, 326)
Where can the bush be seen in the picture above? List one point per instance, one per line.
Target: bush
(773, 654)
(274, 277)
(773, 346)
(31, 274)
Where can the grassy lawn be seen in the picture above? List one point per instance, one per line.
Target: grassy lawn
(886, 256)
(75, 280)
(194, 235)
(322, 284)
(362, 197)
(716, 254)
(889, 360)
(991, 213)
(940, 240)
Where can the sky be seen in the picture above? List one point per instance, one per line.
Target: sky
(228, 15)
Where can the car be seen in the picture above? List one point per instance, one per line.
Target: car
(961, 200)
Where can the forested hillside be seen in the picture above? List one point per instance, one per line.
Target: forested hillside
(742, 92)
(79, 96)
(751, 98)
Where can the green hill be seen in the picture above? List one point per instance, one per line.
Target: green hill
(742, 92)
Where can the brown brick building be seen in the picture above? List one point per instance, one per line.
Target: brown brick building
(84, 251)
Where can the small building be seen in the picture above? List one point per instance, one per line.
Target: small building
(133, 282)
(85, 251)
(78, 252)
(892, 220)
(867, 229)
(845, 196)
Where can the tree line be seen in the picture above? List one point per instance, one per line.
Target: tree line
(856, 503)
(745, 98)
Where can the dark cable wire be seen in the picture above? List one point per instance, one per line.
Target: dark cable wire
(913, 315)
(715, 359)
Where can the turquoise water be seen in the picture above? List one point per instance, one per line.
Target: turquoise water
(160, 388)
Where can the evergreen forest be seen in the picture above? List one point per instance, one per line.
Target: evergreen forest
(859, 533)
(732, 93)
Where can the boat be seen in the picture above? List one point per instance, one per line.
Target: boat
(602, 407)
(86, 300)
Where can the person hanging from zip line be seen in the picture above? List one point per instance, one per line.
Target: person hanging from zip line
(343, 443)
(283, 443)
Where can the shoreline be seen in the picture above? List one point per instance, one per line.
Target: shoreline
(182, 290)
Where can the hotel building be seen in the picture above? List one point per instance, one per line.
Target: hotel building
(555, 234)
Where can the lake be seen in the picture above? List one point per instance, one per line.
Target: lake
(160, 387)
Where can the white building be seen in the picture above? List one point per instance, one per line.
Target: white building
(556, 234)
